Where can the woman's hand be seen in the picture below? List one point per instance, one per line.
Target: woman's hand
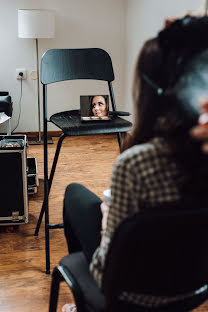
(200, 132)
(104, 209)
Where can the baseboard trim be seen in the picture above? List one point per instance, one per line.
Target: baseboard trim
(35, 133)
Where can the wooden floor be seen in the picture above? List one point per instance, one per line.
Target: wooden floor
(24, 286)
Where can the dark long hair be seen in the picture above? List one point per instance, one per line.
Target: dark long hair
(146, 100)
(162, 66)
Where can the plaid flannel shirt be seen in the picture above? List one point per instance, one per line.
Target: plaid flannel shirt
(146, 173)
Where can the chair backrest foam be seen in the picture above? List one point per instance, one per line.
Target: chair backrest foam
(68, 64)
(6, 104)
(161, 253)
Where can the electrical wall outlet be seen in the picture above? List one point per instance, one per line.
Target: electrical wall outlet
(18, 75)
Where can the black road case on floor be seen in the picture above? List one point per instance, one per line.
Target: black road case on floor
(13, 180)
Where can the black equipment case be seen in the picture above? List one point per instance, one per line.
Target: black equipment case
(13, 180)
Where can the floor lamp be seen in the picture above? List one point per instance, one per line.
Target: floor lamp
(36, 24)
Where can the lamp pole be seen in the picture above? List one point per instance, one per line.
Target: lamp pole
(38, 87)
(34, 24)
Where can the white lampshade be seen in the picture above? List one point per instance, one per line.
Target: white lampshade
(36, 24)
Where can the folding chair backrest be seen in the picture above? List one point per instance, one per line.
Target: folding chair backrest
(68, 64)
(158, 253)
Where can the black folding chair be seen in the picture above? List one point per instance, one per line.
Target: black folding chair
(156, 253)
(69, 64)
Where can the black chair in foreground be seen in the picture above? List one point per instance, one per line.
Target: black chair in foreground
(70, 64)
(157, 253)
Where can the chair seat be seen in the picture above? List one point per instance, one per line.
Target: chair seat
(72, 125)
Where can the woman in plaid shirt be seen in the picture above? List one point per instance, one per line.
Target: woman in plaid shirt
(162, 164)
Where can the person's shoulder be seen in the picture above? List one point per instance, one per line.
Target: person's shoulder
(142, 153)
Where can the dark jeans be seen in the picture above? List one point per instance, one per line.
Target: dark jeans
(82, 220)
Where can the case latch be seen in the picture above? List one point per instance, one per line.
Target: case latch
(15, 215)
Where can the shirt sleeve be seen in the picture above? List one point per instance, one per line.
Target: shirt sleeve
(123, 203)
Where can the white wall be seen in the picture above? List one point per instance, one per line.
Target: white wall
(144, 18)
(118, 26)
(79, 24)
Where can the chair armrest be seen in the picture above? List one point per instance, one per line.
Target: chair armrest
(82, 284)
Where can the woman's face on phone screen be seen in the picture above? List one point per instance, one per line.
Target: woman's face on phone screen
(99, 106)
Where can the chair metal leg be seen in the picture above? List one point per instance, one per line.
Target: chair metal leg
(47, 239)
(58, 148)
(114, 109)
(56, 279)
(119, 139)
